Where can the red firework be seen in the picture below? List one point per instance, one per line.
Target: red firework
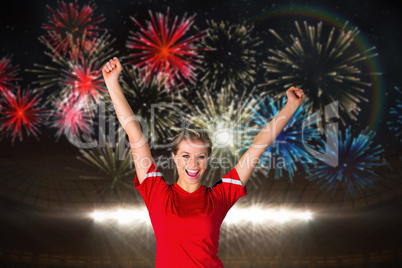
(71, 118)
(68, 22)
(8, 74)
(79, 73)
(162, 52)
(84, 81)
(18, 111)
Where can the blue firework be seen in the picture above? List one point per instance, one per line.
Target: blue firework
(289, 147)
(395, 124)
(357, 158)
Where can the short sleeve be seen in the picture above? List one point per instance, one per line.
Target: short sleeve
(230, 189)
(152, 186)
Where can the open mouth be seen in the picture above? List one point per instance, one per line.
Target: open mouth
(192, 173)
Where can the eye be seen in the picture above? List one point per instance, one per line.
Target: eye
(185, 156)
(201, 157)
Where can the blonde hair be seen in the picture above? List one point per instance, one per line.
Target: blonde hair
(192, 134)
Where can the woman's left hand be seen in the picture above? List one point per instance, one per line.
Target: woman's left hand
(295, 96)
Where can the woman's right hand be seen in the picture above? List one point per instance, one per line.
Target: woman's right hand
(111, 70)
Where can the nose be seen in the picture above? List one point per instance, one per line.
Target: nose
(193, 162)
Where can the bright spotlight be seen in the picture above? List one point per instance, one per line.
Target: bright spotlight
(223, 138)
(265, 216)
(284, 216)
(125, 216)
(122, 216)
(306, 215)
(256, 215)
(98, 216)
(237, 215)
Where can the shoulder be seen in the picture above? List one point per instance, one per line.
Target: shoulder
(217, 183)
(152, 177)
(229, 184)
(231, 178)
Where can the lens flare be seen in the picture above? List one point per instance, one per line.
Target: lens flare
(395, 124)
(236, 216)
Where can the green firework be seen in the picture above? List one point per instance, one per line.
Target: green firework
(157, 109)
(112, 159)
(229, 56)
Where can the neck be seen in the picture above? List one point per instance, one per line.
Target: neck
(190, 188)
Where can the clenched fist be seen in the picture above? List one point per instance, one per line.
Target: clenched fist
(295, 96)
(111, 70)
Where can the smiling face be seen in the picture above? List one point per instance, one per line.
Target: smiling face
(191, 161)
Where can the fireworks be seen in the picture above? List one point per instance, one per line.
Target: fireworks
(357, 158)
(396, 124)
(20, 111)
(71, 118)
(8, 74)
(84, 80)
(230, 56)
(221, 117)
(79, 75)
(289, 147)
(326, 70)
(111, 159)
(69, 25)
(164, 52)
(156, 107)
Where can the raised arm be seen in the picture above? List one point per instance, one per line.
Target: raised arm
(139, 145)
(268, 134)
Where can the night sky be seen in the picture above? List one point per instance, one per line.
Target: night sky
(378, 21)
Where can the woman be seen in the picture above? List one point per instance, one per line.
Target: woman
(187, 216)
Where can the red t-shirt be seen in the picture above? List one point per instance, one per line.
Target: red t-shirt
(187, 225)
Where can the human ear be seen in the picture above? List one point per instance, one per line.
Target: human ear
(174, 158)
